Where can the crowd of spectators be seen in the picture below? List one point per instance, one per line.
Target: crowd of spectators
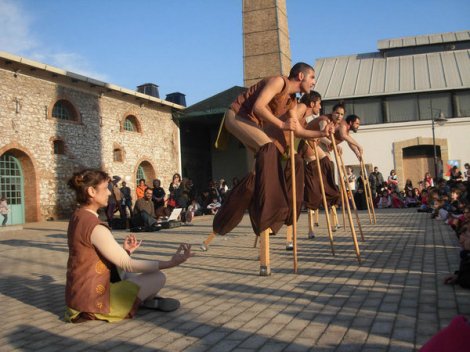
(153, 203)
(447, 201)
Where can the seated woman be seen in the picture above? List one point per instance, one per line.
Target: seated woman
(94, 289)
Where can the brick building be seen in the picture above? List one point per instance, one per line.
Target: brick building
(54, 122)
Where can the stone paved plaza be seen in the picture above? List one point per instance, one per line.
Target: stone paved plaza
(393, 301)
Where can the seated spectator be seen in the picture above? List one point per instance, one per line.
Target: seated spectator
(410, 199)
(467, 172)
(424, 202)
(393, 181)
(455, 176)
(194, 209)
(462, 276)
(396, 200)
(158, 198)
(140, 190)
(214, 206)
(384, 200)
(126, 198)
(94, 289)
(144, 213)
(408, 186)
(428, 181)
(174, 185)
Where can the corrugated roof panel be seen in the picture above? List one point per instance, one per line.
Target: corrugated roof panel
(409, 41)
(377, 79)
(422, 40)
(463, 35)
(449, 37)
(392, 74)
(435, 71)
(350, 78)
(383, 44)
(463, 63)
(363, 78)
(396, 43)
(451, 72)
(421, 70)
(337, 78)
(407, 77)
(325, 77)
(435, 38)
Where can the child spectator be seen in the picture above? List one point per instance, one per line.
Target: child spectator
(384, 200)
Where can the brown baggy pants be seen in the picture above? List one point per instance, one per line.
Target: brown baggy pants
(313, 196)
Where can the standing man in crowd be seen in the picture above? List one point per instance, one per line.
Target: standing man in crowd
(376, 181)
(126, 198)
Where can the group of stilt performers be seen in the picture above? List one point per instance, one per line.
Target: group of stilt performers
(269, 120)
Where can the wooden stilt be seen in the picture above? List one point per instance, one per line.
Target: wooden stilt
(346, 204)
(311, 233)
(317, 216)
(346, 184)
(343, 198)
(289, 235)
(294, 199)
(325, 204)
(256, 241)
(205, 245)
(265, 263)
(366, 192)
(366, 177)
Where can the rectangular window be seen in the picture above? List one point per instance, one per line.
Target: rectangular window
(402, 108)
(463, 101)
(435, 104)
(369, 110)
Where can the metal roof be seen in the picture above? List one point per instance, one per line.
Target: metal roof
(374, 74)
(427, 39)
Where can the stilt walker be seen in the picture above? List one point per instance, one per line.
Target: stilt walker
(341, 176)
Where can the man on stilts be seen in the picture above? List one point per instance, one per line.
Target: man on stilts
(313, 196)
(258, 118)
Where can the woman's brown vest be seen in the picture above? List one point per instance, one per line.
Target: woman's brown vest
(88, 272)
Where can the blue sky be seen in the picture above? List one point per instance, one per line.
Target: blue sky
(195, 46)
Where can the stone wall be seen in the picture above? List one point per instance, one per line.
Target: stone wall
(28, 131)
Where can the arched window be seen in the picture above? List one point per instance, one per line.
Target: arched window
(59, 147)
(64, 110)
(118, 155)
(131, 124)
(145, 171)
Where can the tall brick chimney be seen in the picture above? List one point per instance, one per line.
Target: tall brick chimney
(266, 48)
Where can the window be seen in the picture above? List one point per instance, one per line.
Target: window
(118, 155)
(59, 147)
(131, 124)
(433, 104)
(463, 102)
(402, 108)
(140, 173)
(369, 110)
(64, 110)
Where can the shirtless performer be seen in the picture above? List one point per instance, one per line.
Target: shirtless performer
(313, 196)
(258, 118)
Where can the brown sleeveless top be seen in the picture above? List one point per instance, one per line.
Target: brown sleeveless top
(279, 105)
(88, 272)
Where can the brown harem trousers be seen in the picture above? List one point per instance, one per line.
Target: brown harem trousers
(313, 196)
(263, 194)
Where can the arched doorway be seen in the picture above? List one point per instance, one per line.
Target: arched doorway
(12, 188)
